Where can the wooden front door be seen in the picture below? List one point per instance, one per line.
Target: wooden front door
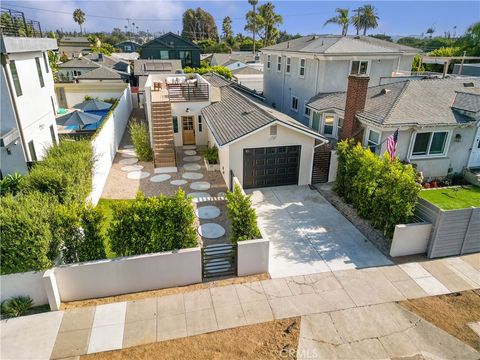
(188, 130)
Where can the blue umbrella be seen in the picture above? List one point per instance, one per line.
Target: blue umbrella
(78, 118)
(93, 105)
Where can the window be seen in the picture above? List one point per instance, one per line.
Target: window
(200, 124)
(301, 71)
(287, 68)
(328, 121)
(129, 48)
(16, 79)
(430, 143)
(45, 61)
(186, 57)
(52, 134)
(339, 127)
(175, 124)
(31, 148)
(39, 71)
(306, 110)
(279, 63)
(316, 121)
(373, 140)
(359, 67)
(268, 62)
(53, 106)
(164, 54)
(294, 103)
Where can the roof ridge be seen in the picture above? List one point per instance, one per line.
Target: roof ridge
(397, 100)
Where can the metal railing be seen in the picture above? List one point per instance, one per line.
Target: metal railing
(14, 23)
(188, 92)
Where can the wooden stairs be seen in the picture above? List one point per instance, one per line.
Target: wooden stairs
(162, 132)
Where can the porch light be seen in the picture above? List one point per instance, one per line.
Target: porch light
(458, 138)
(187, 110)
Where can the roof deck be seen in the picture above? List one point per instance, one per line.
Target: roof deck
(178, 87)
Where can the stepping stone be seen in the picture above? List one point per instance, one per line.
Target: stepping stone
(167, 169)
(137, 175)
(178, 182)
(211, 230)
(192, 176)
(160, 178)
(221, 194)
(189, 147)
(199, 196)
(132, 168)
(192, 167)
(190, 152)
(192, 158)
(128, 155)
(128, 161)
(128, 147)
(200, 185)
(207, 212)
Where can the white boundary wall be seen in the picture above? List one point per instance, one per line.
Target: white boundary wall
(24, 284)
(410, 239)
(105, 143)
(252, 257)
(332, 171)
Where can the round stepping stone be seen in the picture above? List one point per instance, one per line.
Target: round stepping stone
(128, 155)
(221, 194)
(192, 176)
(199, 196)
(189, 147)
(128, 147)
(132, 168)
(178, 182)
(191, 158)
(200, 185)
(211, 230)
(163, 170)
(207, 212)
(160, 178)
(191, 167)
(137, 175)
(190, 152)
(128, 161)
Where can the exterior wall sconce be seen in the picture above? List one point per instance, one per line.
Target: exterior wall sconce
(187, 110)
(458, 138)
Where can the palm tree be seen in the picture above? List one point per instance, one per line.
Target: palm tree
(254, 4)
(341, 19)
(369, 18)
(79, 17)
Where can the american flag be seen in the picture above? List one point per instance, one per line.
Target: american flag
(392, 144)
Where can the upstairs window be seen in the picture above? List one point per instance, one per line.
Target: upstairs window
(279, 63)
(294, 103)
(39, 71)
(301, 71)
(45, 61)
(287, 66)
(359, 67)
(306, 111)
(430, 143)
(164, 54)
(268, 62)
(16, 79)
(328, 122)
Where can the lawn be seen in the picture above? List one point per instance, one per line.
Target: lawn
(453, 198)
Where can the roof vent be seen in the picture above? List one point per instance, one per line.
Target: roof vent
(273, 130)
(469, 84)
(246, 112)
(385, 91)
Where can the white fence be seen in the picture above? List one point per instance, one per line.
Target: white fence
(410, 239)
(24, 284)
(106, 141)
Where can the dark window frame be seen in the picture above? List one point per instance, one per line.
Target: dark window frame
(39, 72)
(15, 78)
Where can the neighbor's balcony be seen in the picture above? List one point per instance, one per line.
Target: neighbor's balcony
(178, 88)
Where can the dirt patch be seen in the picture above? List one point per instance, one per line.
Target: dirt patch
(163, 292)
(450, 313)
(272, 340)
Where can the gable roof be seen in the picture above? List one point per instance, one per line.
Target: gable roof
(161, 40)
(81, 62)
(224, 58)
(101, 73)
(154, 66)
(247, 70)
(467, 101)
(108, 61)
(236, 116)
(412, 102)
(336, 44)
(216, 80)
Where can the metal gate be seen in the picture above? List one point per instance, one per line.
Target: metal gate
(321, 164)
(219, 260)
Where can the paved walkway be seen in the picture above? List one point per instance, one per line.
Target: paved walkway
(124, 324)
(308, 235)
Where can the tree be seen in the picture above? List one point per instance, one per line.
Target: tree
(382, 37)
(284, 36)
(53, 61)
(265, 24)
(470, 42)
(199, 25)
(341, 19)
(227, 28)
(430, 31)
(79, 18)
(368, 18)
(253, 18)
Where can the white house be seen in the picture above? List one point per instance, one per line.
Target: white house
(28, 106)
(249, 77)
(298, 69)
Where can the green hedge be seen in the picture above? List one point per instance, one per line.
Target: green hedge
(242, 216)
(141, 140)
(149, 225)
(381, 190)
(221, 70)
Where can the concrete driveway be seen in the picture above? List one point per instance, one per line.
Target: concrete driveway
(308, 235)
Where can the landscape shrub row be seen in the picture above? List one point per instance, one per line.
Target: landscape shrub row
(220, 70)
(381, 190)
(141, 140)
(242, 216)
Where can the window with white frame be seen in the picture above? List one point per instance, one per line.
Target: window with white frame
(294, 106)
(316, 121)
(268, 62)
(279, 63)
(359, 67)
(287, 65)
(430, 143)
(339, 126)
(306, 110)
(301, 71)
(328, 124)
(373, 140)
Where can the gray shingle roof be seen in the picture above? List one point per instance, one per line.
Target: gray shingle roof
(237, 115)
(216, 80)
(336, 44)
(247, 70)
(102, 73)
(155, 66)
(467, 101)
(81, 62)
(224, 59)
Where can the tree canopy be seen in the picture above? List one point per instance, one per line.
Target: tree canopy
(199, 25)
(265, 23)
(79, 17)
(341, 19)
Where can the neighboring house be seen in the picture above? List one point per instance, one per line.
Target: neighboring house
(298, 69)
(249, 77)
(128, 46)
(466, 69)
(73, 47)
(172, 47)
(69, 70)
(125, 56)
(27, 126)
(233, 60)
(438, 120)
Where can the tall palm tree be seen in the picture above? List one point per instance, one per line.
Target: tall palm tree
(270, 21)
(254, 4)
(341, 19)
(79, 17)
(368, 18)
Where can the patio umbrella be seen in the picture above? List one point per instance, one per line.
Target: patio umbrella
(78, 118)
(93, 105)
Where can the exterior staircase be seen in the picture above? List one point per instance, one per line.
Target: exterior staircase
(162, 131)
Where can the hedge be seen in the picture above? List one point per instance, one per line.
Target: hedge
(242, 216)
(382, 191)
(221, 70)
(141, 140)
(149, 225)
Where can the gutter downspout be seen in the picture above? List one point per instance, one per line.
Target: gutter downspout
(316, 75)
(283, 82)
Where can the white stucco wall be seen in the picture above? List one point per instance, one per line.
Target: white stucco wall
(179, 109)
(24, 284)
(254, 82)
(75, 93)
(252, 257)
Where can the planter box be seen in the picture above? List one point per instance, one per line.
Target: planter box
(252, 257)
(211, 167)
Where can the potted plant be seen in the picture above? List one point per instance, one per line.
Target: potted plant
(210, 154)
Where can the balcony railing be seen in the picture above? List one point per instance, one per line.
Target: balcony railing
(14, 23)
(187, 92)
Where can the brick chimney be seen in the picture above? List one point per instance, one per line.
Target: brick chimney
(355, 102)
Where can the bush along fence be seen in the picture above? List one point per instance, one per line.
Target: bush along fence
(382, 191)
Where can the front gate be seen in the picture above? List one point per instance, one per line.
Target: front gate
(321, 164)
(219, 260)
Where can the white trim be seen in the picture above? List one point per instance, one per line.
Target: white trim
(291, 103)
(366, 139)
(369, 65)
(300, 67)
(429, 156)
(334, 125)
(476, 137)
(305, 107)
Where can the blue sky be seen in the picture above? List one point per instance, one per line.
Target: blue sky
(304, 17)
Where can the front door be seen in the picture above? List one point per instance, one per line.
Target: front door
(188, 130)
(475, 155)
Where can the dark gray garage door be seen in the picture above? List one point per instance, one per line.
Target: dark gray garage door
(271, 166)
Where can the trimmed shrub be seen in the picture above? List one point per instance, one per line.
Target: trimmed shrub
(242, 216)
(211, 154)
(10, 184)
(220, 70)
(149, 225)
(141, 140)
(16, 306)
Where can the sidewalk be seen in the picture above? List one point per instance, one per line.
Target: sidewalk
(124, 324)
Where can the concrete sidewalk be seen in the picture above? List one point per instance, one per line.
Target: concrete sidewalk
(124, 324)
